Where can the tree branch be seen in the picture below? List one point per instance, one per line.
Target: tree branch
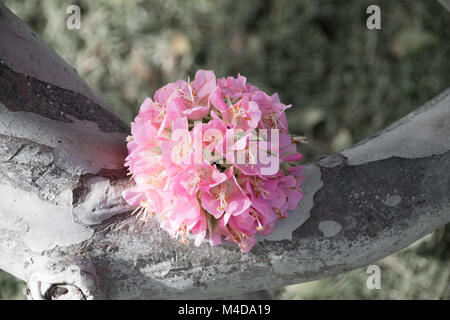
(65, 229)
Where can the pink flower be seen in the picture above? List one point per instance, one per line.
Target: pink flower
(199, 153)
(202, 86)
(195, 178)
(241, 229)
(243, 113)
(192, 99)
(225, 198)
(236, 87)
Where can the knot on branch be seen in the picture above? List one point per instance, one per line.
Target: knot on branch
(76, 280)
(333, 160)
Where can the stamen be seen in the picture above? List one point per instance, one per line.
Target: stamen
(278, 212)
(191, 91)
(274, 121)
(144, 209)
(193, 183)
(238, 236)
(299, 139)
(238, 112)
(162, 111)
(191, 96)
(257, 186)
(255, 215)
(182, 234)
(221, 195)
(156, 181)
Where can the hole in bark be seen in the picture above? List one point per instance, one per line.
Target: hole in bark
(64, 292)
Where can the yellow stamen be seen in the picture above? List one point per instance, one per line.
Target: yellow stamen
(221, 195)
(144, 210)
(157, 180)
(255, 215)
(238, 236)
(274, 121)
(257, 186)
(182, 234)
(238, 112)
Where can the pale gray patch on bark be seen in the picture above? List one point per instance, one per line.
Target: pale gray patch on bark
(422, 133)
(329, 228)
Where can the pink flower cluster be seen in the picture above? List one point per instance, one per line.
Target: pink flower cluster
(183, 157)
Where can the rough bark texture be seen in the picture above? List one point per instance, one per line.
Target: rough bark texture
(65, 229)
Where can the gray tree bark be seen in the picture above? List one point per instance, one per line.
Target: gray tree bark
(66, 231)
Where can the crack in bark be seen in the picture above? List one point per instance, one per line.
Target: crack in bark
(29, 163)
(16, 153)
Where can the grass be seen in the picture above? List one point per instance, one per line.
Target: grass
(10, 287)
(344, 81)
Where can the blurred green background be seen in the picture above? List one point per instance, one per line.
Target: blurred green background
(345, 82)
